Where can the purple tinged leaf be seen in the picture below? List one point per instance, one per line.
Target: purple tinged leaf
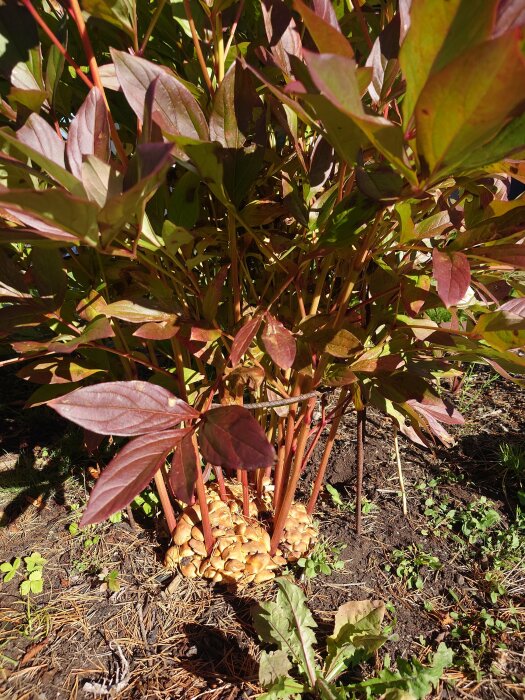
(325, 10)
(183, 472)
(514, 306)
(229, 436)
(282, 33)
(174, 108)
(156, 331)
(431, 405)
(243, 339)
(64, 217)
(37, 134)
(128, 473)
(88, 132)
(327, 35)
(238, 113)
(510, 15)
(279, 342)
(123, 408)
(452, 274)
(511, 255)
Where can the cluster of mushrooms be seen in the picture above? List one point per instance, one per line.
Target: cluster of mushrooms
(241, 553)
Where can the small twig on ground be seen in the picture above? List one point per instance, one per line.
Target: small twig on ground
(400, 473)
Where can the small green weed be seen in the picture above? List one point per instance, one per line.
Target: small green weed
(408, 563)
(513, 461)
(147, 504)
(323, 559)
(33, 581)
(348, 505)
(473, 387)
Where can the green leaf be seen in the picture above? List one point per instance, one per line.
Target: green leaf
(412, 680)
(34, 562)
(120, 13)
(502, 330)
(336, 79)
(25, 587)
(439, 32)
(273, 665)
(284, 688)
(288, 623)
(76, 218)
(467, 103)
(357, 634)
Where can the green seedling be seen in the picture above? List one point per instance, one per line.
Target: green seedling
(323, 559)
(408, 564)
(347, 504)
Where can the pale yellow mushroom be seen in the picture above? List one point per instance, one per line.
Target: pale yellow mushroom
(232, 566)
(172, 557)
(198, 547)
(189, 570)
(197, 533)
(182, 533)
(263, 576)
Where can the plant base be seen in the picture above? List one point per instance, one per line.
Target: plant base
(241, 553)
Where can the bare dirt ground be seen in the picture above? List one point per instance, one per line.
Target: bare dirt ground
(162, 636)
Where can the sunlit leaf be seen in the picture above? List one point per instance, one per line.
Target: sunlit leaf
(88, 132)
(183, 472)
(123, 408)
(452, 274)
(243, 339)
(229, 436)
(279, 342)
(128, 473)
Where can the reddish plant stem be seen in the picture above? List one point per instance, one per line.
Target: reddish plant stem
(234, 27)
(76, 13)
(220, 483)
(197, 45)
(284, 507)
(151, 27)
(326, 454)
(234, 269)
(362, 23)
(47, 31)
(360, 458)
(289, 435)
(165, 501)
(279, 467)
(245, 494)
(318, 430)
(209, 540)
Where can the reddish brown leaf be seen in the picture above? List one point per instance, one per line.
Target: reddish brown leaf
(512, 255)
(452, 274)
(88, 132)
(229, 436)
(281, 30)
(37, 134)
(123, 408)
(174, 108)
(326, 34)
(156, 331)
(243, 339)
(128, 473)
(279, 343)
(62, 371)
(183, 472)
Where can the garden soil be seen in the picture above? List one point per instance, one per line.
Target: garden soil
(162, 636)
